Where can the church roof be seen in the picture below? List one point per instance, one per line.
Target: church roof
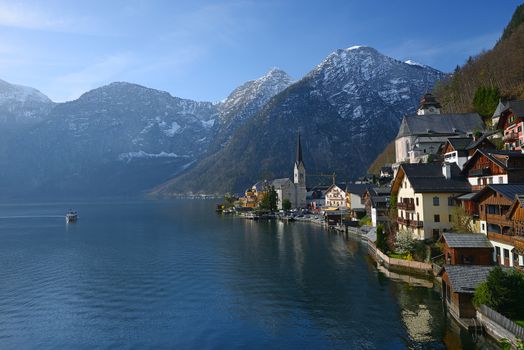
(299, 158)
(440, 124)
(280, 182)
(516, 106)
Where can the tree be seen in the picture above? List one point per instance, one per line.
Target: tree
(405, 244)
(270, 199)
(286, 204)
(229, 200)
(460, 221)
(382, 241)
(486, 100)
(503, 291)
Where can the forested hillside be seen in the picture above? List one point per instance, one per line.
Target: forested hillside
(499, 72)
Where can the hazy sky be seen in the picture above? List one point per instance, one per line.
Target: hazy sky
(204, 49)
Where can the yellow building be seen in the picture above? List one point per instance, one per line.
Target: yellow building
(425, 197)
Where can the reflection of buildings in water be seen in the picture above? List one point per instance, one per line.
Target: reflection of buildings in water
(418, 323)
(411, 280)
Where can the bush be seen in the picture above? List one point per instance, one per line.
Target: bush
(404, 244)
(503, 291)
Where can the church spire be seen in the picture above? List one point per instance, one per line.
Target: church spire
(299, 151)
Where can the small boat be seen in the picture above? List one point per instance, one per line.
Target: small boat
(71, 216)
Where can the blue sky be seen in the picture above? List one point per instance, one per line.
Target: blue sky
(204, 49)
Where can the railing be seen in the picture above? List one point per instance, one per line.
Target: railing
(480, 172)
(406, 206)
(402, 221)
(416, 224)
(502, 321)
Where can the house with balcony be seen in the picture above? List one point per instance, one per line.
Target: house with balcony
(459, 150)
(513, 241)
(425, 195)
(494, 202)
(355, 199)
(376, 201)
(466, 249)
(509, 118)
(336, 196)
(487, 167)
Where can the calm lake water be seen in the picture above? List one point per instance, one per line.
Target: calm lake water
(173, 274)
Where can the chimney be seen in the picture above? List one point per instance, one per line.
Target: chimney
(446, 170)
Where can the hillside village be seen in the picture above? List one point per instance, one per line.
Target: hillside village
(454, 197)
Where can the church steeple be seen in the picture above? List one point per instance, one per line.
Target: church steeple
(299, 151)
(300, 170)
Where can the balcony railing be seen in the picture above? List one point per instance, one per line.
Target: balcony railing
(406, 206)
(402, 221)
(416, 224)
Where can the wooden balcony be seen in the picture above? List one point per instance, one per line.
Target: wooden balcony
(416, 224)
(402, 221)
(406, 206)
(498, 219)
(516, 241)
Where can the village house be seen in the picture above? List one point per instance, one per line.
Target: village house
(355, 199)
(458, 287)
(509, 117)
(425, 196)
(466, 249)
(376, 201)
(420, 136)
(336, 196)
(510, 246)
(494, 167)
(459, 150)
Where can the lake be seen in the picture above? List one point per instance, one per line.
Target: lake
(173, 274)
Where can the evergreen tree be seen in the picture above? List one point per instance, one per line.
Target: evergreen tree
(486, 100)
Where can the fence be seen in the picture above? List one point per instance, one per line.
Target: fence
(400, 263)
(498, 325)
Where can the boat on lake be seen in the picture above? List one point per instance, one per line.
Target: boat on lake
(71, 216)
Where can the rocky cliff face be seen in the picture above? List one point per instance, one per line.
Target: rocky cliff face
(348, 109)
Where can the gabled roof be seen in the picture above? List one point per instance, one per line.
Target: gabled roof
(498, 157)
(280, 182)
(516, 106)
(507, 190)
(443, 124)
(460, 143)
(518, 201)
(428, 177)
(466, 240)
(341, 186)
(465, 278)
(358, 189)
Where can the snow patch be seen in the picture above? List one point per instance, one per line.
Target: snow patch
(356, 47)
(141, 154)
(414, 63)
(175, 127)
(208, 123)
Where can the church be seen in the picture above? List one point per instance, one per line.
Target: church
(294, 191)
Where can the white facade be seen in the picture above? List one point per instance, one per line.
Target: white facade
(299, 176)
(453, 157)
(488, 180)
(336, 197)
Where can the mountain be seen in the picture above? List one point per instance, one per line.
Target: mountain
(22, 105)
(246, 101)
(118, 139)
(348, 109)
(499, 70)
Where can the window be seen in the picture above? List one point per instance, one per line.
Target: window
(436, 234)
(490, 180)
(506, 255)
(501, 179)
(436, 218)
(416, 199)
(467, 259)
(449, 217)
(436, 201)
(450, 201)
(483, 227)
(497, 251)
